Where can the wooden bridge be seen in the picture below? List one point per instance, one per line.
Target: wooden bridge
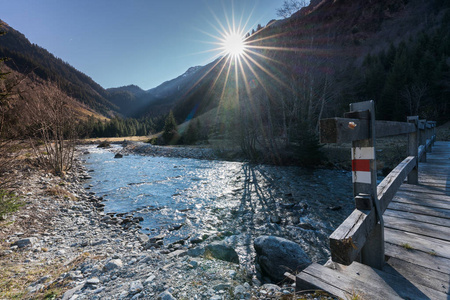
(396, 243)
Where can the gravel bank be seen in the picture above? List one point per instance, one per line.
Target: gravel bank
(168, 151)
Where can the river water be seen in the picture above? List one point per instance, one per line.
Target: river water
(190, 198)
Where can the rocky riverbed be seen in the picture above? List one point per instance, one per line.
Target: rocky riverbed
(62, 244)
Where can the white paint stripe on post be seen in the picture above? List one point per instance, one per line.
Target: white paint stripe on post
(362, 177)
(363, 153)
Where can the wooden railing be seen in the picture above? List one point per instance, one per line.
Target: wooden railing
(361, 236)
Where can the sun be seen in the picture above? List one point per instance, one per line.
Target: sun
(233, 44)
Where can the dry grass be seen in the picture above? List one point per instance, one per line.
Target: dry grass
(310, 294)
(59, 192)
(355, 296)
(118, 139)
(83, 113)
(18, 273)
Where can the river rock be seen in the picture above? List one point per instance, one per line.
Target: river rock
(196, 239)
(136, 287)
(193, 264)
(113, 264)
(220, 250)
(25, 242)
(68, 294)
(222, 286)
(276, 256)
(306, 226)
(104, 144)
(271, 287)
(175, 227)
(240, 291)
(93, 281)
(154, 239)
(275, 219)
(287, 205)
(143, 238)
(150, 279)
(335, 207)
(196, 252)
(295, 220)
(166, 295)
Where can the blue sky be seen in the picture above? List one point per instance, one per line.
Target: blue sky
(142, 42)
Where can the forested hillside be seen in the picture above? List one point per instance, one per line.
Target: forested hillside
(27, 58)
(411, 78)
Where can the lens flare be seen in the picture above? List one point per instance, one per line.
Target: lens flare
(234, 45)
(243, 59)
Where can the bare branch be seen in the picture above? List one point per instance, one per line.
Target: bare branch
(290, 7)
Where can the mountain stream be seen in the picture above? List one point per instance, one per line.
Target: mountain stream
(186, 199)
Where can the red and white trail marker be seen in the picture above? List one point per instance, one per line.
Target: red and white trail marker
(362, 158)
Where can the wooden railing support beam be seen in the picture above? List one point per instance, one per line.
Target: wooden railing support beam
(346, 130)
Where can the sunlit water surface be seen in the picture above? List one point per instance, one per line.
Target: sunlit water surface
(235, 199)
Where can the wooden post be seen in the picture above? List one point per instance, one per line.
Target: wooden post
(429, 134)
(434, 132)
(423, 138)
(413, 145)
(364, 176)
(431, 125)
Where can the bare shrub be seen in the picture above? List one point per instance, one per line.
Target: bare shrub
(52, 124)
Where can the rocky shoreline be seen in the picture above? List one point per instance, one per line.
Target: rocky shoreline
(70, 249)
(206, 152)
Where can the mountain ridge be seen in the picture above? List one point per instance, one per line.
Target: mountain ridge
(330, 35)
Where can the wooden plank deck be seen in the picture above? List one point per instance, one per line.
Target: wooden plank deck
(417, 244)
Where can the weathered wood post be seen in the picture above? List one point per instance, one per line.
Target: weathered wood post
(364, 177)
(429, 135)
(413, 144)
(433, 139)
(423, 139)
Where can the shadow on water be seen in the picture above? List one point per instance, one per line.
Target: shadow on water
(304, 206)
(257, 205)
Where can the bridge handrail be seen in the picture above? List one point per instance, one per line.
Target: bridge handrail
(361, 235)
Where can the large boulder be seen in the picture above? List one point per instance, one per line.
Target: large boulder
(276, 256)
(219, 250)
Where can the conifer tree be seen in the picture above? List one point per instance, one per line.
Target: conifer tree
(170, 132)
